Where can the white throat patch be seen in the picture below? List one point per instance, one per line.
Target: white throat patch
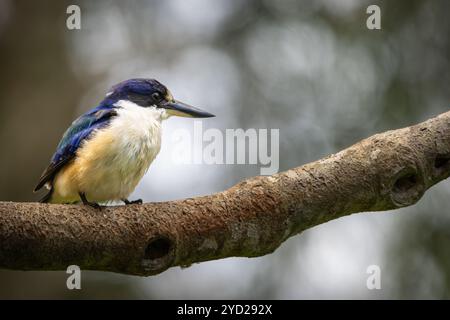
(158, 114)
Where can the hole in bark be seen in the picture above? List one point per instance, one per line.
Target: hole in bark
(442, 163)
(408, 187)
(158, 255)
(157, 248)
(405, 183)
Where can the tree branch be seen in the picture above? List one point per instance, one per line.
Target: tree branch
(386, 171)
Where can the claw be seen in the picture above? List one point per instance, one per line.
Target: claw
(88, 203)
(127, 202)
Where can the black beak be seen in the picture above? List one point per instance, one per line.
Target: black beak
(177, 108)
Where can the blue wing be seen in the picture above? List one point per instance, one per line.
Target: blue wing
(79, 131)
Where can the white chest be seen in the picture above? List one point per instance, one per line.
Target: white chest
(111, 164)
(137, 135)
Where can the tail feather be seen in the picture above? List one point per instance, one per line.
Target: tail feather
(47, 196)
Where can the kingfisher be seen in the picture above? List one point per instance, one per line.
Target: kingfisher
(104, 154)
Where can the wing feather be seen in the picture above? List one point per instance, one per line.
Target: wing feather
(80, 130)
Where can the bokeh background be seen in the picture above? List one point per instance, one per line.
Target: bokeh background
(309, 68)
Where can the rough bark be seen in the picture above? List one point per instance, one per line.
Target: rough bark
(386, 171)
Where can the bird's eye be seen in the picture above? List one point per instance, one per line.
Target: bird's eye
(156, 96)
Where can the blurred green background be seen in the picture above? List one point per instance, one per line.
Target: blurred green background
(310, 68)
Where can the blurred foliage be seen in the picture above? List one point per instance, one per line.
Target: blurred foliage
(310, 68)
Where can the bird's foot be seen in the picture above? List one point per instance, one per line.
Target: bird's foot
(94, 205)
(88, 203)
(127, 202)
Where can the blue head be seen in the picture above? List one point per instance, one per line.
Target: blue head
(151, 93)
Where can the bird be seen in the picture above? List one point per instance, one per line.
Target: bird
(106, 151)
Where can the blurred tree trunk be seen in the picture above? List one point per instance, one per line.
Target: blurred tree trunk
(36, 103)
